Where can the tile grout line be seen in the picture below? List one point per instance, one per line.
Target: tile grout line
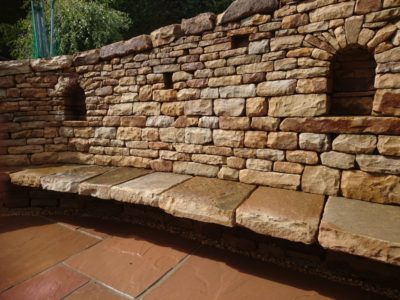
(164, 277)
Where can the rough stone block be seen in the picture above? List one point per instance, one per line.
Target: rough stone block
(357, 144)
(298, 105)
(192, 168)
(272, 179)
(338, 160)
(146, 189)
(283, 214)
(199, 23)
(166, 35)
(320, 180)
(240, 9)
(206, 200)
(358, 228)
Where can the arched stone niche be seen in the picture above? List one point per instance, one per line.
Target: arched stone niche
(352, 79)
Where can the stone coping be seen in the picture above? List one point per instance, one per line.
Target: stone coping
(352, 226)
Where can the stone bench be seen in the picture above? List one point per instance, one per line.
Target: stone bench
(356, 227)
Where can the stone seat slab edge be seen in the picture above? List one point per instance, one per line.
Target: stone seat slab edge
(31, 176)
(100, 186)
(361, 228)
(69, 181)
(204, 199)
(280, 213)
(146, 189)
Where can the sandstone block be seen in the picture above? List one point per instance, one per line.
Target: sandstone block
(312, 86)
(298, 105)
(198, 108)
(199, 23)
(198, 136)
(207, 200)
(283, 214)
(357, 227)
(129, 133)
(387, 81)
(259, 47)
(255, 139)
(105, 132)
(351, 143)
(259, 165)
(51, 64)
(240, 9)
(146, 108)
(89, 57)
(282, 140)
(271, 154)
(238, 91)
(13, 67)
(371, 187)
(172, 135)
(272, 179)
(260, 67)
(303, 157)
(343, 125)
(229, 107)
(286, 42)
(188, 94)
(134, 45)
(256, 107)
(288, 167)
(386, 102)
(100, 186)
(160, 121)
(209, 159)
(228, 174)
(320, 180)
(378, 164)
(166, 35)
(164, 95)
(228, 138)
(225, 81)
(265, 123)
(234, 123)
(314, 141)
(334, 11)
(191, 168)
(338, 160)
(120, 109)
(389, 145)
(146, 189)
(209, 93)
(209, 122)
(276, 88)
(69, 181)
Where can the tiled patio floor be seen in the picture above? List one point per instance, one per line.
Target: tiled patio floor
(82, 258)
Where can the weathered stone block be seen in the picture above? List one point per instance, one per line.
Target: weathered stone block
(166, 35)
(357, 227)
(276, 88)
(282, 140)
(320, 180)
(256, 139)
(389, 145)
(378, 164)
(198, 108)
(338, 160)
(199, 23)
(238, 91)
(243, 8)
(228, 138)
(134, 45)
(229, 107)
(334, 11)
(198, 136)
(298, 105)
(196, 169)
(314, 141)
(283, 214)
(371, 187)
(272, 179)
(351, 143)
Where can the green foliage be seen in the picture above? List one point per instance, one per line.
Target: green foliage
(80, 25)
(83, 25)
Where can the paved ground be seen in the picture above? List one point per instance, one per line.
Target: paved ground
(82, 258)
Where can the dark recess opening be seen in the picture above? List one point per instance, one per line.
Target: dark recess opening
(168, 81)
(240, 41)
(352, 81)
(75, 104)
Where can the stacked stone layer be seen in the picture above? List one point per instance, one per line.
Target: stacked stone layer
(248, 100)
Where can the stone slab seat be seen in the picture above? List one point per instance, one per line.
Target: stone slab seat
(352, 226)
(361, 228)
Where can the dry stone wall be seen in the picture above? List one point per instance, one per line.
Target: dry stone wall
(301, 95)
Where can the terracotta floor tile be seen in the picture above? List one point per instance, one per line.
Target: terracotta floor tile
(223, 276)
(30, 245)
(54, 283)
(95, 291)
(131, 264)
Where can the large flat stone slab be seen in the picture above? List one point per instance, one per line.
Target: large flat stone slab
(283, 214)
(69, 181)
(100, 186)
(31, 177)
(146, 190)
(361, 228)
(206, 199)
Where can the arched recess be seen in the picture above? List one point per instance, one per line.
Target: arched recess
(74, 106)
(352, 81)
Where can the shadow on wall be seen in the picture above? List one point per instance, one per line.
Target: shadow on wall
(352, 82)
